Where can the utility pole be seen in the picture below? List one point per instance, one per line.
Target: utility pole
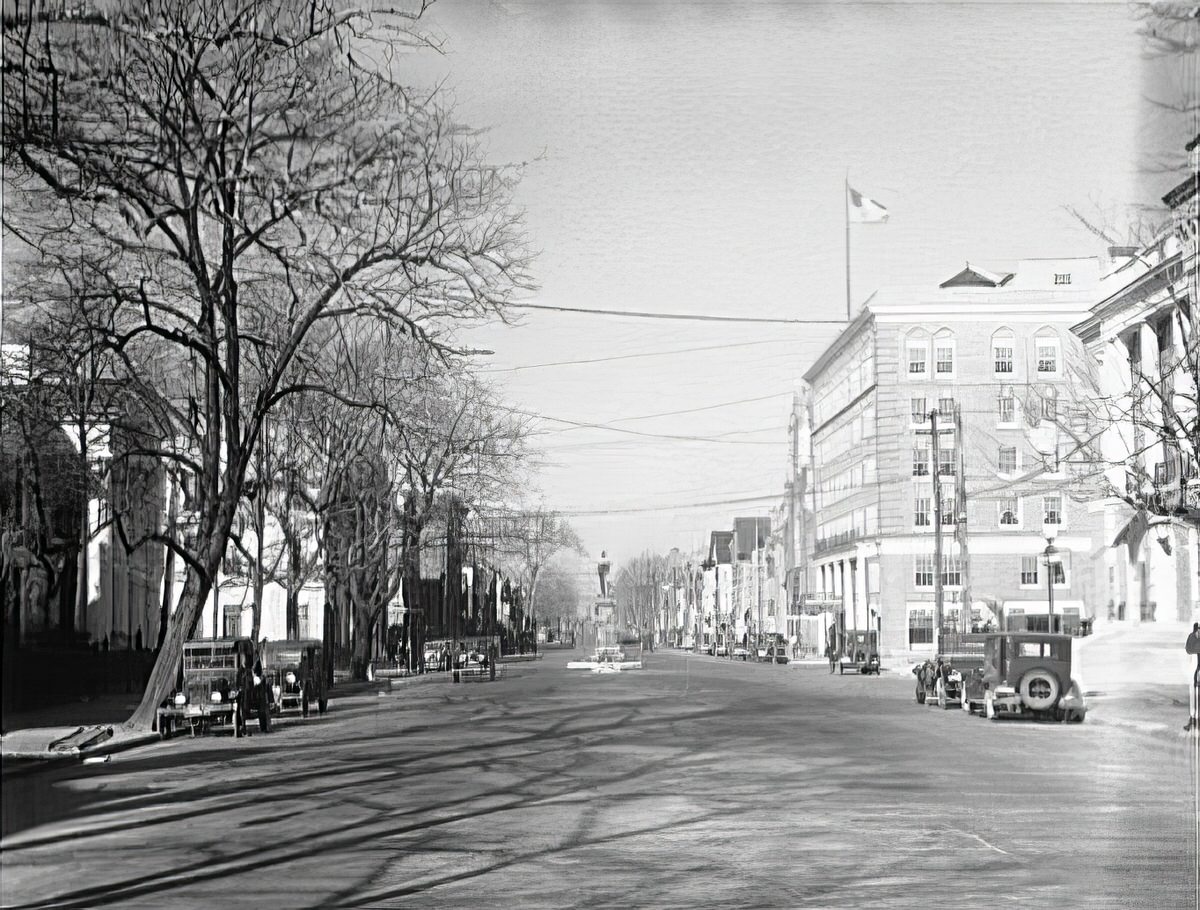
(938, 594)
(960, 527)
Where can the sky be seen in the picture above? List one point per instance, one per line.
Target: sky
(691, 157)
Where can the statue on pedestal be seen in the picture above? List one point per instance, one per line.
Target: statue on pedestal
(602, 568)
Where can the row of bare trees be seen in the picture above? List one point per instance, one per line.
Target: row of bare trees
(252, 226)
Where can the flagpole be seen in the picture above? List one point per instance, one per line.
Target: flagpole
(846, 203)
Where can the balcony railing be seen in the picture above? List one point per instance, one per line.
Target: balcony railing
(837, 540)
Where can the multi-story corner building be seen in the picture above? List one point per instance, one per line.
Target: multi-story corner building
(1143, 336)
(992, 355)
(716, 601)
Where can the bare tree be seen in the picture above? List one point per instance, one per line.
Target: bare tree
(229, 176)
(539, 535)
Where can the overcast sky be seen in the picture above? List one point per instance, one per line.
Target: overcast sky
(690, 157)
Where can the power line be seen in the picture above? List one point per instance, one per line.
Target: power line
(571, 363)
(708, 407)
(690, 317)
(582, 513)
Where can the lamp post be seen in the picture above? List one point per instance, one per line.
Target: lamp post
(1050, 552)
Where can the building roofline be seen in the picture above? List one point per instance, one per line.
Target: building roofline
(838, 344)
(1089, 329)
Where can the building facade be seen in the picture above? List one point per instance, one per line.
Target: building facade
(992, 355)
(1142, 336)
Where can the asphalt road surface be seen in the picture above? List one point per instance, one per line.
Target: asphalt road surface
(694, 783)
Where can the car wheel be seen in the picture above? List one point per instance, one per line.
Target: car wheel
(920, 694)
(165, 727)
(841, 670)
(1039, 689)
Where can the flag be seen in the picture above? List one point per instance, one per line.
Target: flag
(863, 210)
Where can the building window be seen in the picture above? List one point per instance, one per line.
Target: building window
(951, 571)
(920, 461)
(949, 510)
(231, 625)
(1059, 571)
(1007, 408)
(1047, 356)
(1062, 277)
(917, 354)
(1008, 459)
(921, 517)
(923, 571)
(945, 408)
(1049, 406)
(919, 414)
(1052, 510)
(920, 627)
(1008, 511)
(1002, 355)
(303, 629)
(1029, 570)
(944, 362)
(946, 460)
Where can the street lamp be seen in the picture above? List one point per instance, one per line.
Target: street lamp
(1050, 552)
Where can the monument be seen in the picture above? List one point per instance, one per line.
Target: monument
(605, 604)
(602, 568)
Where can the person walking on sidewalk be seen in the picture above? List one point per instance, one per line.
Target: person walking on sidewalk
(1193, 649)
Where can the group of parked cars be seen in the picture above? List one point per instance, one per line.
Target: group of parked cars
(770, 652)
(1005, 675)
(224, 683)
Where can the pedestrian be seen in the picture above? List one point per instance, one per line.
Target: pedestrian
(831, 653)
(1192, 646)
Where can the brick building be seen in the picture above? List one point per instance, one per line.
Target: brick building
(996, 350)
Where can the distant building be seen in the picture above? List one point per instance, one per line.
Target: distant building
(994, 348)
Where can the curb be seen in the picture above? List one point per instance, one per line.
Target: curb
(109, 747)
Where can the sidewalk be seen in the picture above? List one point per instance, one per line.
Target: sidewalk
(95, 728)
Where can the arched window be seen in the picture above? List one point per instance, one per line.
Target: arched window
(1004, 346)
(916, 356)
(1047, 354)
(943, 354)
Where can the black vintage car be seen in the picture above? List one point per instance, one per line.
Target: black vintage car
(293, 674)
(218, 687)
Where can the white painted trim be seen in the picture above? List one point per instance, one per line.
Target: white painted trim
(1024, 543)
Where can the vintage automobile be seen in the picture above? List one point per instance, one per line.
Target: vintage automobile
(294, 674)
(219, 687)
(860, 652)
(742, 653)
(1028, 674)
(777, 654)
(939, 682)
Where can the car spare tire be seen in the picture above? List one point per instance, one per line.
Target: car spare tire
(1039, 689)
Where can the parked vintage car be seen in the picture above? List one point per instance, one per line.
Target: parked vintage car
(219, 687)
(860, 652)
(742, 653)
(777, 654)
(1029, 674)
(939, 682)
(294, 675)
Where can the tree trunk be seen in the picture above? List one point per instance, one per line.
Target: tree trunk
(183, 622)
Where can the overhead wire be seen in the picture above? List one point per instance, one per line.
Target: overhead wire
(689, 317)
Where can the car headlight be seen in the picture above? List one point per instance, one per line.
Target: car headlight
(291, 678)
(275, 690)
(180, 699)
(215, 697)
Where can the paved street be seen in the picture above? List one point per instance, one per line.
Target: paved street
(694, 783)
